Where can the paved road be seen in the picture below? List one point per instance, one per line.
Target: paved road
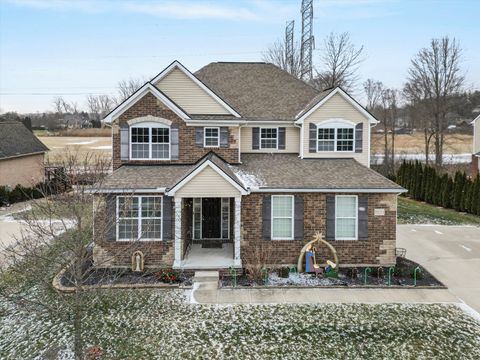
(451, 253)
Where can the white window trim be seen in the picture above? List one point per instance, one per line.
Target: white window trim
(150, 126)
(356, 217)
(336, 124)
(193, 220)
(139, 219)
(211, 137)
(282, 217)
(260, 147)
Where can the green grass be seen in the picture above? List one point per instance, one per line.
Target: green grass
(416, 212)
(152, 324)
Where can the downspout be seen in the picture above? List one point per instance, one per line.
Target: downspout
(239, 143)
(300, 151)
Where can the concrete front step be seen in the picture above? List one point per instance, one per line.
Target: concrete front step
(206, 277)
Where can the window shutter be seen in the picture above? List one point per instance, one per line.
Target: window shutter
(359, 138)
(111, 218)
(298, 216)
(174, 142)
(199, 136)
(167, 218)
(267, 217)
(312, 138)
(224, 137)
(363, 217)
(281, 138)
(124, 140)
(330, 218)
(255, 138)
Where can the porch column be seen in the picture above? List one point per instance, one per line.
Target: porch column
(178, 233)
(238, 211)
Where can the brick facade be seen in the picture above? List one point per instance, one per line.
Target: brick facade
(189, 153)
(378, 249)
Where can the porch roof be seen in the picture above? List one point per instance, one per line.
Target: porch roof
(258, 172)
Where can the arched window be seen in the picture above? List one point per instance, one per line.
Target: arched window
(336, 136)
(149, 141)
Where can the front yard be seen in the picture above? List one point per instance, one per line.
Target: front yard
(152, 324)
(417, 212)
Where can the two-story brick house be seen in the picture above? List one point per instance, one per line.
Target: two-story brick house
(240, 154)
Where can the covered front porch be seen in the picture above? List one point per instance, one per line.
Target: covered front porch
(207, 218)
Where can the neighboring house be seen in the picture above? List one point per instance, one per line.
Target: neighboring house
(238, 155)
(475, 169)
(21, 155)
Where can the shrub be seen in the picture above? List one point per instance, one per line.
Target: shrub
(284, 272)
(256, 259)
(4, 196)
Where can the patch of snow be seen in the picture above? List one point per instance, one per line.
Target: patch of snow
(82, 142)
(102, 147)
(438, 232)
(249, 181)
(195, 287)
(377, 159)
(300, 279)
(466, 248)
(469, 310)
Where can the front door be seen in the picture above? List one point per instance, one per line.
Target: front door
(211, 218)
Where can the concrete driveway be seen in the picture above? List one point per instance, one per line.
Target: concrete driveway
(451, 253)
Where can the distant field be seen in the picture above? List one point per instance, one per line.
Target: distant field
(59, 145)
(414, 144)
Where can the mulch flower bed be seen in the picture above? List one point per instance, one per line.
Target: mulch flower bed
(351, 277)
(121, 276)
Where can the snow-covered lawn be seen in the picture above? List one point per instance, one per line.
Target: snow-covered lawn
(152, 324)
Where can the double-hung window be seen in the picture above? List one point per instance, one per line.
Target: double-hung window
(346, 217)
(149, 141)
(268, 138)
(282, 217)
(211, 137)
(337, 137)
(139, 217)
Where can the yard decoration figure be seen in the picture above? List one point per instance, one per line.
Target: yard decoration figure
(137, 261)
(318, 238)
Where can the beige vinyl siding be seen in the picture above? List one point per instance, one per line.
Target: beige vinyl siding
(476, 136)
(24, 170)
(191, 97)
(207, 183)
(292, 141)
(337, 108)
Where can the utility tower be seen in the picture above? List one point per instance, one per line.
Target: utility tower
(289, 46)
(308, 42)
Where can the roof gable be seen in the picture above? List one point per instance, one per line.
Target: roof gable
(212, 162)
(139, 94)
(189, 92)
(16, 140)
(321, 100)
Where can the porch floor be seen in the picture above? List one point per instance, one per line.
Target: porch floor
(209, 258)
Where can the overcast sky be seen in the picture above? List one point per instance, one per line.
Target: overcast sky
(74, 48)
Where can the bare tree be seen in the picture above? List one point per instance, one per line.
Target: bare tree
(434, 77)
(128, 87)
(99, 106)
(58, 235)
(276, 54)
(339, 62)
(373, 91)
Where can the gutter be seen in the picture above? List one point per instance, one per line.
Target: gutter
(298, 190)
(22, 155)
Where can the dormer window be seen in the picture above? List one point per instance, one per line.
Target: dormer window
(336, 137)
(211, 137)
(149, 141)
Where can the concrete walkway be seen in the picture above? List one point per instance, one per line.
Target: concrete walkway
(320, 295)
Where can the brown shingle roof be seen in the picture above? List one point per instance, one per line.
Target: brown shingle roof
(258, 90)
(289, 171)
(258, 171)
(17, 140)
